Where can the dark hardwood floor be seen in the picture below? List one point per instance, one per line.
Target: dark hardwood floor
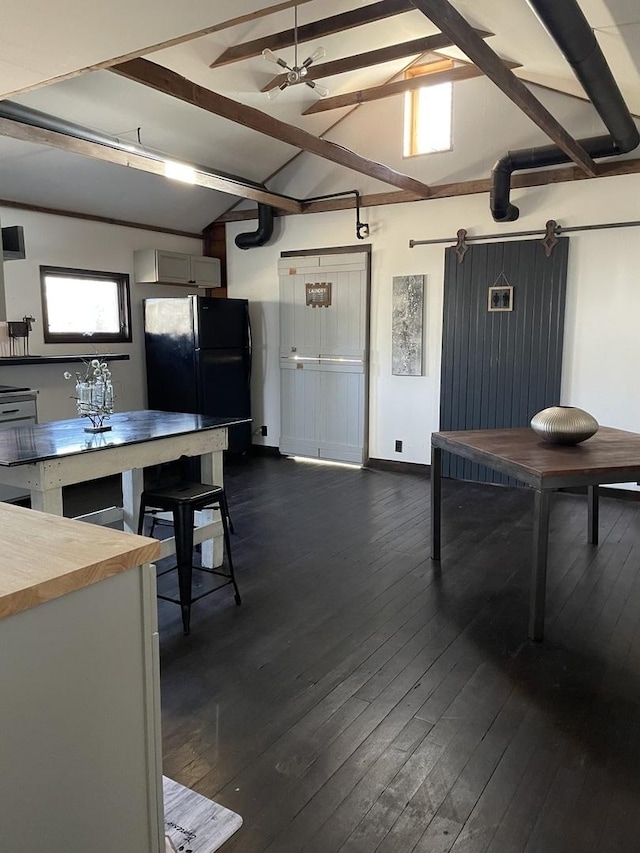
(362, 699)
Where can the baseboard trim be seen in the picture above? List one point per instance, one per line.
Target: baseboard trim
(264, 450)
(425, 471)
(399, 467)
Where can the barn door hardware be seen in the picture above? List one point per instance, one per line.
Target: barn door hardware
(550, 235)
(550, 238)
(461, 247)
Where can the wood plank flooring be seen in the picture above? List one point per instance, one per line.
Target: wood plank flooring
(362, 699)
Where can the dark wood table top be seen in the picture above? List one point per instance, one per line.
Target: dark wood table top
(610, 456)
(56, 439)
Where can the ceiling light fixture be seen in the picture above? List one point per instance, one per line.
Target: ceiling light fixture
(179, 172)
(296, 73)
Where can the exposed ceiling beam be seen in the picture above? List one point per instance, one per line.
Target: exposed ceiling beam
(249, 18)
(375, 93)
(527, 78)
(92, 217)
(323, 135)
(538, 178)
(451, 22)
(29, 133)
(167, 81)
(318, 29)
(373, 57)
(163, 45)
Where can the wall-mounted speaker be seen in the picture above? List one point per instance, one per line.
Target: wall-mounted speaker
(13, 243)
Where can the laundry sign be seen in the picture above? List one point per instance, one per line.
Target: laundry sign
(318, 294)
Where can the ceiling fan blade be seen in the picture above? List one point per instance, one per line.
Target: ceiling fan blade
(318, 53)
(270, 56)
(318, 88)
(272, 94)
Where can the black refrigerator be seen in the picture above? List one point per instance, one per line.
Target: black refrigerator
(198, 352)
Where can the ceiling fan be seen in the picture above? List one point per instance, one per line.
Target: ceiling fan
(296, 73)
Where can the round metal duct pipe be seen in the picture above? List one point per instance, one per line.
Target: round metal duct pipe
(262, 235)
(567, 25)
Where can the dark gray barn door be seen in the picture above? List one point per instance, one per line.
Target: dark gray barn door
(500, 367)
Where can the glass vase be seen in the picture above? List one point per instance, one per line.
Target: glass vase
(94, 400)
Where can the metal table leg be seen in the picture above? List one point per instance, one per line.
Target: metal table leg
(436, 501)
(542, 501)
(594, 514)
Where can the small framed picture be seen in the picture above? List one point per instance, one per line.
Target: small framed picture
(501, 298)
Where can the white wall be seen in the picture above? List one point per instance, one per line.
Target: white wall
(66, 242)
(602, 344)
(485, 125)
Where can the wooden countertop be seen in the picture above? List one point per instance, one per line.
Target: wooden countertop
(43, 557)
(609, 456)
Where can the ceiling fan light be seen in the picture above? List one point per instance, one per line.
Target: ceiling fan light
(318, 53)
(270, 56)
(273, 93)
(320, 90)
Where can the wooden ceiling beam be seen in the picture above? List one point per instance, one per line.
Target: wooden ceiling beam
(172, 84)
(373, 57)
(375, 93)
(538, 178)
(451, 22)
(163, 45)
(73, 145)
(317, 29)
(92, 217)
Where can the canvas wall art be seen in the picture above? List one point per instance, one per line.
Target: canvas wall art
(407, 325)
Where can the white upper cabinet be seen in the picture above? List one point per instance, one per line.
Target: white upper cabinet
(161, 267)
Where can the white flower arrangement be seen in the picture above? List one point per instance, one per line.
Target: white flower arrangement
(94, 394)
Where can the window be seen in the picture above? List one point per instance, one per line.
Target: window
(428, 111)
(77, 304)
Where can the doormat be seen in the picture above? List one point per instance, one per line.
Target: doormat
(194, 824)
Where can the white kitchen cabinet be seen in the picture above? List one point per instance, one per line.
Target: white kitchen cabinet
(157, 266)
(17, 409)
(80, 708)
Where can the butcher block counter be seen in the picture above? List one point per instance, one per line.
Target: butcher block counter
(44, 556)
(79, 687)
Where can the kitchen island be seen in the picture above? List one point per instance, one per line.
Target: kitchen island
(80, 746)
(45, 457)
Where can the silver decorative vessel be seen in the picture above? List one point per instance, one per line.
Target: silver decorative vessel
(564, 425)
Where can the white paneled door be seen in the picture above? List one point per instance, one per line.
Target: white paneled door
(324, 326)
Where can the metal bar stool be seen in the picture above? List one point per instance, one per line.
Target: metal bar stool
(183, 500)
(157, 519)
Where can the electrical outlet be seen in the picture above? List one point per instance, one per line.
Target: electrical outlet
(263, 429)
(398, 446)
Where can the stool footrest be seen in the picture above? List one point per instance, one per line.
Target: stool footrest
(197, 597)
(183, 500)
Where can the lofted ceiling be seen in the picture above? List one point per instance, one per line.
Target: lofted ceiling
(48, 47)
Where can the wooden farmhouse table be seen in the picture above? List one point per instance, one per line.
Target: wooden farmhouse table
(610, 456)
(45, 457)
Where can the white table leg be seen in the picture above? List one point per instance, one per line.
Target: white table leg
(49, 501)
(211, 472)
(132, 487)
